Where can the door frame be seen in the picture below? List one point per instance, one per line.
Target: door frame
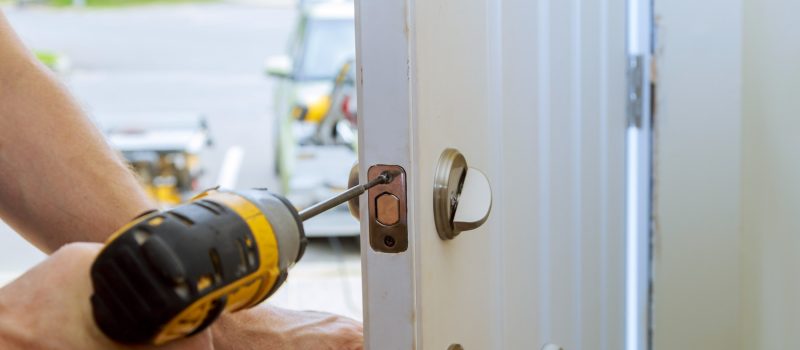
(384, 89)
(639, 175)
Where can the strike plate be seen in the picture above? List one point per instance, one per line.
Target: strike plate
(388, 225)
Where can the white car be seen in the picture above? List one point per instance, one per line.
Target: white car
(309, 171)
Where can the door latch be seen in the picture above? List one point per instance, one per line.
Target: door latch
(388, 224)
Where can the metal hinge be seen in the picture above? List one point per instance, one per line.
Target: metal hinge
(636, 86)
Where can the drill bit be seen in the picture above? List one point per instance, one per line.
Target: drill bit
(353, 192)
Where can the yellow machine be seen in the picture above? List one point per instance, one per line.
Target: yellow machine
(170, 274)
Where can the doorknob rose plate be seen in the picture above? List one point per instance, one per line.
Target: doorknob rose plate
(462, 197)
(551, 346)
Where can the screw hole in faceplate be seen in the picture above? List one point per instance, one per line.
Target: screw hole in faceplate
(388, 232)
(389, 241)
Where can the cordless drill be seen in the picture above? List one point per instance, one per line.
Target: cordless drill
(169, 274)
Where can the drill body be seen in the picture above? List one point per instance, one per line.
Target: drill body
(169, 274)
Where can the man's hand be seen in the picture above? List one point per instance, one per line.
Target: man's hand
(48, 307)
(271, 328)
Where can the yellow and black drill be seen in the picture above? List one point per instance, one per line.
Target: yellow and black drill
(170, 274)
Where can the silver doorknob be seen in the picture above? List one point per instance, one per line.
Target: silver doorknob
(462, 196)
(551, 346)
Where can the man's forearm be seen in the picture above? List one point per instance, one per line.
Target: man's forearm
(59, 180)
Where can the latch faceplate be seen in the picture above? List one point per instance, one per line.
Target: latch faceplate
(388, 225)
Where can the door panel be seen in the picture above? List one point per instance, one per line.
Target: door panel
(532, 93)
(382, 44)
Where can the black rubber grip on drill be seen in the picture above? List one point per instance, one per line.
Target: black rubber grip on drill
(149, 274)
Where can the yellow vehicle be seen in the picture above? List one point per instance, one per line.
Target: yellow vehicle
(165, 154)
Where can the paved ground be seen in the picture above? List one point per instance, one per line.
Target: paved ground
(200, 58)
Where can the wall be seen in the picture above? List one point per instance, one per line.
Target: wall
(697, 175)
(727, 187)
(771, 175)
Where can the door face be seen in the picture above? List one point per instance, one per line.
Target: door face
(532, 93)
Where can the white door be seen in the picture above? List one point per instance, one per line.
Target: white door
(532, 93)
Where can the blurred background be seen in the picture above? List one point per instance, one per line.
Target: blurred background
(203, 93)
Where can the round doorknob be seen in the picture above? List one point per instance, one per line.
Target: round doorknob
(462, 196)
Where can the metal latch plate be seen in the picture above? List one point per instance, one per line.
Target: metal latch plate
(388, 225)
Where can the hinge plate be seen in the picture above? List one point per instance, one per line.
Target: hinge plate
(636, 86)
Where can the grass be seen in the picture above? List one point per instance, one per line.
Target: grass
(48, 58)
(53, 60)
(121, 3)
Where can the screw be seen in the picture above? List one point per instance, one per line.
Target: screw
(389, 241)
